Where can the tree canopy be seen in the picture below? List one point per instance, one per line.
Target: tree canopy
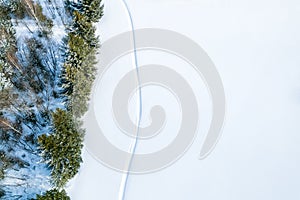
(54, 195)
(62, 148)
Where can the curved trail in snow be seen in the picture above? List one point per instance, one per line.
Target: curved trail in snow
(125, 177)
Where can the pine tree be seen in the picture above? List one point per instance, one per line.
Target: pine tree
(54, 195)
(92, 9)
(62, 149)
(79, 69)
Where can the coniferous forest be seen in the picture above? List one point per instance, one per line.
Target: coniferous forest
(48, 55)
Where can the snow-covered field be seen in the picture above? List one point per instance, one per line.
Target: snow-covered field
(254, 45)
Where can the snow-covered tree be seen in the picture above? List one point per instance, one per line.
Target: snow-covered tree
(31, 64)
(62, 148)
(54, 195)
(79, 71)
(92, 9)
(45, 83)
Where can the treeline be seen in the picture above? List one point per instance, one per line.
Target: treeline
(62, 148)
(79, 69)
(45, 87)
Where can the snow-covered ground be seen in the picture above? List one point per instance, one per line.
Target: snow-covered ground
(33, 178)
(255, 46)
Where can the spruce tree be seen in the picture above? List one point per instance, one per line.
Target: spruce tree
(79, 69)
(62, 148)
(92, 9)
(54, 195)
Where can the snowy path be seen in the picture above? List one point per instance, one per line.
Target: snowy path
(255, 46)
